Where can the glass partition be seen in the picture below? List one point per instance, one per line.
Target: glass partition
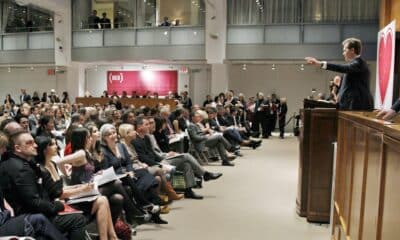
(253, 12)
(98, 14)
(16, 18)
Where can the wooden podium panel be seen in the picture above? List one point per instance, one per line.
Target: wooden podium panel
(366, 199)
(304, 143)
(390, 194)
(317, 133)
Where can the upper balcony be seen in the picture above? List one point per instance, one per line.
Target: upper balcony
(295, 41)
(169, 43)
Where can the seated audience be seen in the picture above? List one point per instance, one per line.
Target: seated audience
(23, 187)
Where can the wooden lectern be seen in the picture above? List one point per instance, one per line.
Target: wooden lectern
(318, 131)
(366, 197)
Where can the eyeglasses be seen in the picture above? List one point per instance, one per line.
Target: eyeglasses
(29, 142)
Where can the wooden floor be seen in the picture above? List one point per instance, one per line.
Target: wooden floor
(255, 200)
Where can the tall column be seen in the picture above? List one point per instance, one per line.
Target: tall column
(216, 25)
(62, 36)
(76, 80)
(216, 22)
(62, 27)
(219, 78)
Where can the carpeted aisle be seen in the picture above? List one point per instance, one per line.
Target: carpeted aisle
(252, 201)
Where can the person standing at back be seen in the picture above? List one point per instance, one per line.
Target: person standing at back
(93, 20)
(104, 21)
(354, 93)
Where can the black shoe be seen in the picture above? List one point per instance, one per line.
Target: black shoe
(255, 134)
(255, 144)
(199, 183)
(281, 137)
(238, 153)
(211, 176)
(226, 163)
(190, 194)
(157, 219)
(213, 158)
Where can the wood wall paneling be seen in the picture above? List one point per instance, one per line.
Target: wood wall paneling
(367, 178)
(372, 186)
(390, 229)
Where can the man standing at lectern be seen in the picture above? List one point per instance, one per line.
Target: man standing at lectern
(354, 93)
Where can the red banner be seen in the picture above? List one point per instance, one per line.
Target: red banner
(142, 81)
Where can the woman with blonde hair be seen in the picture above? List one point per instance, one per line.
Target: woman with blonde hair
(128, 134)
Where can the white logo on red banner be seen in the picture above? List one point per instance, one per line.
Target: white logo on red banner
(115, 77)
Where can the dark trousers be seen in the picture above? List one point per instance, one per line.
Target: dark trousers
(72, 224)
(233, 136)
(35, 225)
(282, 122)
(260, 118)
(271, 124)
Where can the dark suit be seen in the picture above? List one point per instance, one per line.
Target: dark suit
(35, 225)
(22, 185)
(231, 134)
(199, 140)
(354, 93)
(105, 23)
(25, 98)
(282, 110)
(148, 155)
(396, 105)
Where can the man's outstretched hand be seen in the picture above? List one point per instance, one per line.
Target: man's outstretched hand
(312, 61)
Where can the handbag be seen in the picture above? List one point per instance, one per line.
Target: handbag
(178, 181)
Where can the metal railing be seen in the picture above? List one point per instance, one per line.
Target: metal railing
(27, 40)
(301, 33)
(146, 36)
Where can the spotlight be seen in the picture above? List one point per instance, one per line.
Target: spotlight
(302, 67)
(273, 68)
(165, 33)
(244, 67)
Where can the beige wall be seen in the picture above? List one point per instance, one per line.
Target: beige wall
(178, 9)
(287, 81)
(32, 80)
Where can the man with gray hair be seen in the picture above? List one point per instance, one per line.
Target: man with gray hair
(200, 140)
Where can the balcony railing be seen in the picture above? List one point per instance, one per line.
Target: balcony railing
(27, 41)
(301, 33)
(131, 37)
